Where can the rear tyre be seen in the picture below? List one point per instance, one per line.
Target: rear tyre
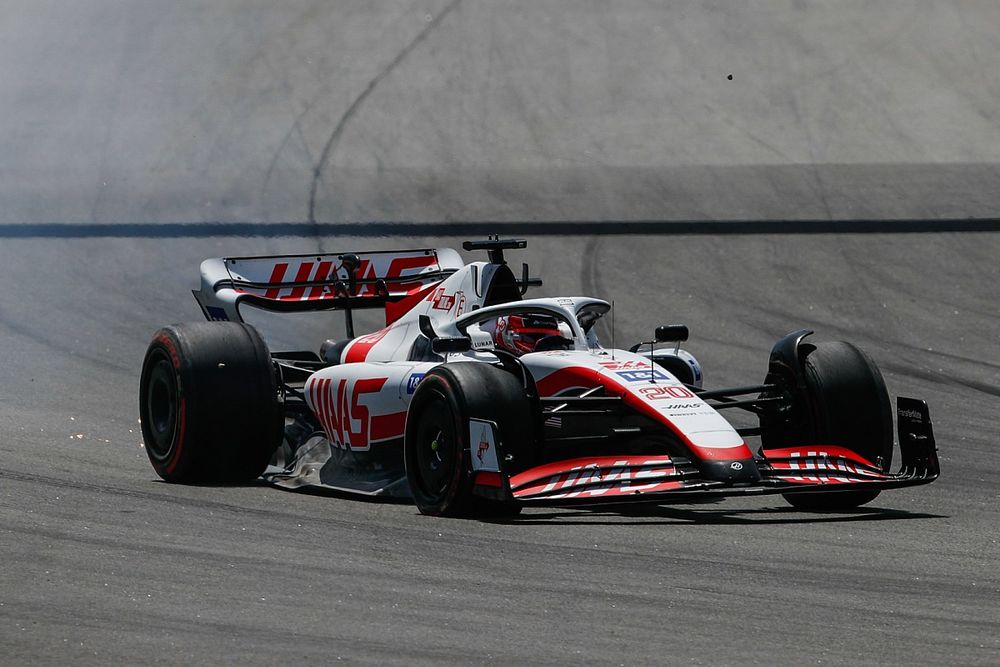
(436, 445)
(848, 406)
(208, 403)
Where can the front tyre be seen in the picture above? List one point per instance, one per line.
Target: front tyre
(208, 403)
(436, 444)
(848, 406)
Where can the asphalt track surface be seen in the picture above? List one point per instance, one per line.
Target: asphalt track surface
(856, 151)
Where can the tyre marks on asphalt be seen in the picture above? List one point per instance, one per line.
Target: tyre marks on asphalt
(338, 129)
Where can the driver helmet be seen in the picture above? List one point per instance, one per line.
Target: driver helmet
(520, 334)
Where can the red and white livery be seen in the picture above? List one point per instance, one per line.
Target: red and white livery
(472, 399)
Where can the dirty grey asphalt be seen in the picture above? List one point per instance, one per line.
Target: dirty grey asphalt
(155, 125)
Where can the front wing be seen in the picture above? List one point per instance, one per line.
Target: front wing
(661, 479)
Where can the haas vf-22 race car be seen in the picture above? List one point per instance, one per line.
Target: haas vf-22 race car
(475, 401)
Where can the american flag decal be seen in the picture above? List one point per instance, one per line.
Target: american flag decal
(554, 422)
(216, 314)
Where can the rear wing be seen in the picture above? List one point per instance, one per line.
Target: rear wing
(335, 281)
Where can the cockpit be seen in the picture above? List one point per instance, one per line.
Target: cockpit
(536, 325)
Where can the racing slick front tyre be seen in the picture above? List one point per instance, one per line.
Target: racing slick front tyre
(436, 445)
(848, 406)
(208, 403)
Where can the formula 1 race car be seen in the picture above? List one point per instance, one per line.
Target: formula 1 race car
(474, 401)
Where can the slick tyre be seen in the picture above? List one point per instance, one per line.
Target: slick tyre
(849, 407)
(436, 445)
(208, 403)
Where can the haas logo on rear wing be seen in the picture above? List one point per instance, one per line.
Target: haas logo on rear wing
(320, 282)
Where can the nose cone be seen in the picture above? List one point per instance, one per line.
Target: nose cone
(739, 471)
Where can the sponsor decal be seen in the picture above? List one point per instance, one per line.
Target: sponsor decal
(619, 478)
(481, 340)
(338, 407)
(818, 465)
(668, 392)
(406, 266)
(304, 273)
(399, 267)
(446, 302)
(736, 465)
(641, 375)
(277, 276)
(483, 446)
(623, 365)
(911, 414)
(327, 271)
(411, 384)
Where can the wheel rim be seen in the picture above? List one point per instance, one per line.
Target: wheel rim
(436, 449)
(160, 414)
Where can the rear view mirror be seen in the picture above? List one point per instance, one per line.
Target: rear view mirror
(671, 333)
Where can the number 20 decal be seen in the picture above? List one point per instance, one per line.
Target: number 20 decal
(658, 393)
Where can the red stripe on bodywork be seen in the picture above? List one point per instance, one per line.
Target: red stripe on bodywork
(305, 270)
(320, 391)
(322, 273)
(604, 462)
(387, 427)
(316, 400)
(396, 309)
(277, 275)
(605, 476)
(358, 350)
(815, 451)
(486, 478)
(820, 464)
(569, 378)
(581, 376)
(400, 264)
(740, 452)
(590, 489)
(331, 408)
